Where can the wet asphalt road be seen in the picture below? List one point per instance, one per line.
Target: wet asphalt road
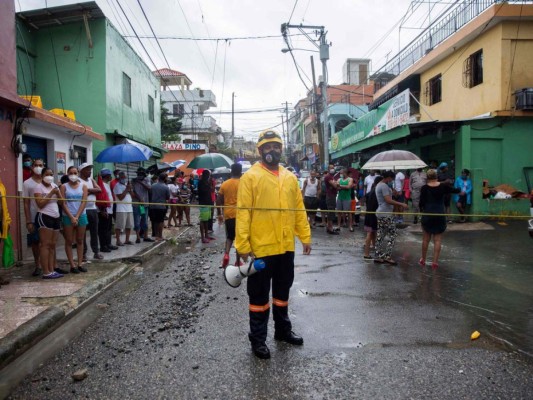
(371, 331)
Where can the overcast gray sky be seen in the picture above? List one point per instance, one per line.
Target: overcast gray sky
(256, 70)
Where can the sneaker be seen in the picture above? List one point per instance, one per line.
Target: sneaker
(105, 250)
(61, 271)
(82, 269)
(225, 260)
(98, 256)
(147, 239)
(113, 247)
(37, 272)
(422, 262)
(368, 258)
(52, 275)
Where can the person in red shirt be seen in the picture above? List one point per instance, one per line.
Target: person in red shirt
(27, 162)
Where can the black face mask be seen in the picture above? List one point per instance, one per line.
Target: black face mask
(271, 158)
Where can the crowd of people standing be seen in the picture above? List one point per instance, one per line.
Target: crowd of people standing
(104, 207)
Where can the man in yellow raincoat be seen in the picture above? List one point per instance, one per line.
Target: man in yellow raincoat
(267, 222)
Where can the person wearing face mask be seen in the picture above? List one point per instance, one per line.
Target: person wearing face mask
(270, 213)
(48, 223)
(124, 217)
(386, 223)
(74, 217)
(30, 211)
(141, 194)
(311, 192)
(27, 163)
(332, 188)
(91, 210)
(463, 199)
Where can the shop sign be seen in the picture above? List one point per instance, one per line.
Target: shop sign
(173, 146)
(389, 115)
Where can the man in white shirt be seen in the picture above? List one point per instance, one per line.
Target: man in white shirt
(31, 209)
(369, 181)
(90, 209)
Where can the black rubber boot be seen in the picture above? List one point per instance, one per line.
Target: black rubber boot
(283, 327)
(258, 333)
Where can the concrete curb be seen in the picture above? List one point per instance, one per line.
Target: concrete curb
(38, 327)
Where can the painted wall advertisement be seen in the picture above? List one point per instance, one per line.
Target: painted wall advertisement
(389, 115)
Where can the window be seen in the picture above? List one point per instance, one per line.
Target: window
(126, 89)
(178, 110)
(433, 92)
(150, 108)
(473, 70)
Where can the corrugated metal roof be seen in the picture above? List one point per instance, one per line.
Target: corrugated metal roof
(54, 16)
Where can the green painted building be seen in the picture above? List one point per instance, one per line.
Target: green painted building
(75, 59)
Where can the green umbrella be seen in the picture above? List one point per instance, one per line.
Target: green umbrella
(210, 161)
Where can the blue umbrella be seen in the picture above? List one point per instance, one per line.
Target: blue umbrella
(125, 153)
(178, 163)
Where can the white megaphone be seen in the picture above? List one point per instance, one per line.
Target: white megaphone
(234, 275)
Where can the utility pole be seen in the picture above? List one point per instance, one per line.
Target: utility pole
(288, 133)
(232, 120)
(323, 48)
(324, 57)
(314, 107)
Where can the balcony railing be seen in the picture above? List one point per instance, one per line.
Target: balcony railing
(437, 33)
(201, 123)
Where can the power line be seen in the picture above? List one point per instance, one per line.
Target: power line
(292, 12)
(212, 39)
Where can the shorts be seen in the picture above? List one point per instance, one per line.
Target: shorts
(344, 205)
(462, 201)
(82, 220)
(124, 220)
(311, 203)
(205, 214)
(157, 215)
(47, 222)
(331, 203)
(322, 203)
(230, 228)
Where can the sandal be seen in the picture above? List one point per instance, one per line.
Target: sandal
(434, 265)
(351, 228)
(379, 261)
(422, 262)
(390, 261)
(119, 244)
(128, 242)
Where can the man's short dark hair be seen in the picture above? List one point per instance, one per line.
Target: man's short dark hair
(162, 177)
(236, 169)
(388, 174)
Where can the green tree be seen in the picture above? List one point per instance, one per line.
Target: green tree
(169, 126)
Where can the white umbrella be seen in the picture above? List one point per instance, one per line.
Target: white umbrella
(394, 159)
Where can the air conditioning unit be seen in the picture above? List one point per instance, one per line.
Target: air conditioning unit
(524, 99)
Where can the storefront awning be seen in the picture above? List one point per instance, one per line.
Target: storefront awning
(394, 134)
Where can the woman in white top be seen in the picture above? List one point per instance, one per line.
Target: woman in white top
(74, 219)
(48, 223)
(174, 199)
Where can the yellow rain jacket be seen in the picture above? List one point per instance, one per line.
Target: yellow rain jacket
(6, 219)
(269, 232)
